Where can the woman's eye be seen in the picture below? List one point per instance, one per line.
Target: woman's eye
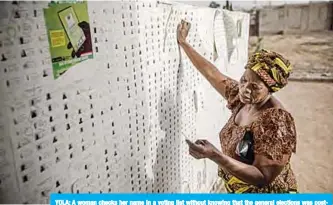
(255, 87)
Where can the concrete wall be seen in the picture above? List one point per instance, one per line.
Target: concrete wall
(296, 18)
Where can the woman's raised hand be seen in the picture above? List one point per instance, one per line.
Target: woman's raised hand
(182, 31)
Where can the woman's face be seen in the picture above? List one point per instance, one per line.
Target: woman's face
(251, 88)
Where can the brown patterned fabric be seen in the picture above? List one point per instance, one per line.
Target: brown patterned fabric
(274, 135)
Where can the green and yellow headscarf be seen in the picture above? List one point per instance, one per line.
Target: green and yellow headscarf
(273, 69)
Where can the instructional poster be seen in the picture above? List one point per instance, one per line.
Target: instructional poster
(69, 35)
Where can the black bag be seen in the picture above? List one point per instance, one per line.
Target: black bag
(244, 148)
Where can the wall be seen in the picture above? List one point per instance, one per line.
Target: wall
(296, 18)
(254, 23)
(118, 122)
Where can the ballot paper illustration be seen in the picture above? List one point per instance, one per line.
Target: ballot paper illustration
(70, 23)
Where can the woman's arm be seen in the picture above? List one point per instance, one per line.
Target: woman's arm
(261, 173)
(207, 69)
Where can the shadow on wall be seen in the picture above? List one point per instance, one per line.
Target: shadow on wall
(166, 168)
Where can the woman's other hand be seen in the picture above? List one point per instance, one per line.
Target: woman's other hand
(182, 31)
(202, 149)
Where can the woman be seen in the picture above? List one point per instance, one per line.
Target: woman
(260, 136)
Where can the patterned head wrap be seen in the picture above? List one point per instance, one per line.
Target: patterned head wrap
(271, 67)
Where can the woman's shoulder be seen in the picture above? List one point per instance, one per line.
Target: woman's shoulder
(275, 133)
(273, 121)
(275, 110)
(279, 113)
(275, 118)
(232, 97)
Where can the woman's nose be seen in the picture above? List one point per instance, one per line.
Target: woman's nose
(247, 89)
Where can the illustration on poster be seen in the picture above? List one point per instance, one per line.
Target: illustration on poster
(69, 35)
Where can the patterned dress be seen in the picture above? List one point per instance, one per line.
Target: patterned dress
(274, 135)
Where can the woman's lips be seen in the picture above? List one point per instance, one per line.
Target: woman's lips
(246, 98)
